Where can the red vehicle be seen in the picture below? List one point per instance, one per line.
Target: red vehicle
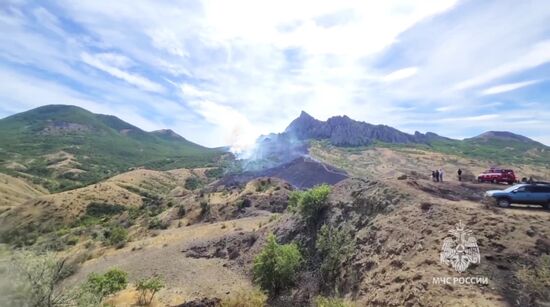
(495, 175)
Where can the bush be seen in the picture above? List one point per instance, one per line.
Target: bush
(98, 286)
(33, 280)
(535, 283)
(192, 183)
(310, 204)
(147, 288)
(205, 209)
(276, 266)
(117, 236)
(335, 247)
(181, 211)
(96, 209)
(214, 172)
(156, 223)
(254, 298)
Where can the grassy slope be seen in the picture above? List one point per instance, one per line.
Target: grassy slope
(497, 151)
(108, 146)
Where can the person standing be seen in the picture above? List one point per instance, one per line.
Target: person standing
(436, 176)
(459, 172)
(441, 175)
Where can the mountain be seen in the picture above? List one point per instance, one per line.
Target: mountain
(344, 131)
(167, 134)
(61, 147)
(504, 136)
(498, 147)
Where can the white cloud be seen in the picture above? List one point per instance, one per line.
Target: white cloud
(502, 88)
(164, 39)
(20, 93)
(400, 74)
(108, 63)
(537, 55)
(264, 61)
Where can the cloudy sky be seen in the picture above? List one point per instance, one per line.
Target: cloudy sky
(222, 72)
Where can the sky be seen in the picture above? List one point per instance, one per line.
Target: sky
(223, 72)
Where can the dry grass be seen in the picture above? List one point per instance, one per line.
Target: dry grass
(124, 189)
(14, 191)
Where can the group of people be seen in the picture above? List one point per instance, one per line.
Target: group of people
(437, 175)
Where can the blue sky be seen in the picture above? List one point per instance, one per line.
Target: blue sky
(223, 72)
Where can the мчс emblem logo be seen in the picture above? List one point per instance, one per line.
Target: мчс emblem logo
(460, 250)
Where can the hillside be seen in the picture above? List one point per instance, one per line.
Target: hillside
(62, 147)
(503, 136)
(14, 191)
(373, 238)
(495, 151)
(493, 147)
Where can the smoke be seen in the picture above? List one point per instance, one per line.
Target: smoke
(242, 141)
(272, 150)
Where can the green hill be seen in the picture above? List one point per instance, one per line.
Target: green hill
(496, 150)
(62, 147)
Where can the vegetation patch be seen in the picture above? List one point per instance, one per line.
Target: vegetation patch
(192, 183)
(99, 286)
(276, 267)
(96, 209)
(310, 203)
(147, 288)
(335, 247)
(253, 298)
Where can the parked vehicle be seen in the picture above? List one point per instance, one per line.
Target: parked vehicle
(497, 176)
(528, 194)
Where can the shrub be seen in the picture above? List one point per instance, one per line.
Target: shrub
(214, 172)
(96, 209)
(205, 209)
(535, 282)
(32, 280)
(181, 211)
(310, 204)
(335, 247)
(263, 185)
(276, 266)
(192, 183)
(98, 286)
(147, 288)
(156, 223)
(71, 240)
(245, 203)
(254, 298)
(117, 236)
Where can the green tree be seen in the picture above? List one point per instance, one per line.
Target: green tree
(98, 286)
(310, 203)
(276, 266)
(147, 288)
(335, 247)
